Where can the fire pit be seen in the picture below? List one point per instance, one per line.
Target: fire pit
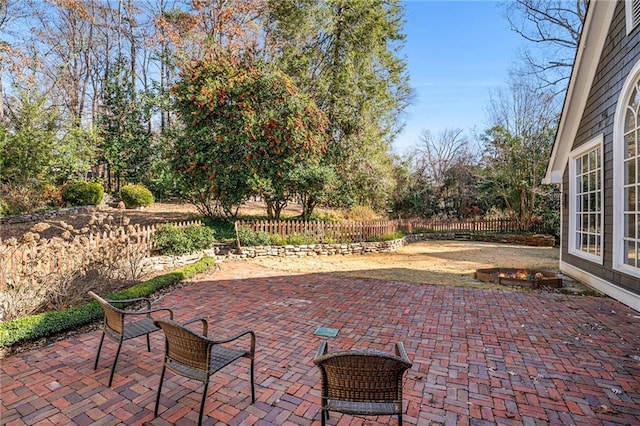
(527, 278)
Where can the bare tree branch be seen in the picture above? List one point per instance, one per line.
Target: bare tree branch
(552, 28)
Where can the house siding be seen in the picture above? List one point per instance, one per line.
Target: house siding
(619, 55)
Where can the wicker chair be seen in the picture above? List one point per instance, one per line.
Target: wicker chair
(120, 330)
(193, 355)
(362, 382)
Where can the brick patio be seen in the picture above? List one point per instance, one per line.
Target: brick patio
(479, 357)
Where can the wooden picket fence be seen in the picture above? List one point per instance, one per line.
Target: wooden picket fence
(461, 226)
(376, 230)
(58, 256)
(323, 231)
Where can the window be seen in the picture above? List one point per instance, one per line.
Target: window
(632, 12)
(585, 206)
(626, 177)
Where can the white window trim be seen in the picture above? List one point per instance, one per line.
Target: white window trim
(628, 12)
(618, 178)
(593, 144)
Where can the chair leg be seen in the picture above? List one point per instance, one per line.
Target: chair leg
(253, 388)
(115, 361)
(399, 419)
(324, 416)
(148, 344)
(95, 365)
(204, 397)
(155, 410)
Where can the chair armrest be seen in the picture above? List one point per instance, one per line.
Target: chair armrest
(149, 311)
(401, 352)
(137, 299)
(205, 325)
(322, 350)
(236, 337)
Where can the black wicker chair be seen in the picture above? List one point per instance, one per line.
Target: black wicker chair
(362, 382)
(193, 355)
(118, 326)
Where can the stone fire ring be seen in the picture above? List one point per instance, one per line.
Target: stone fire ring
(519, 277)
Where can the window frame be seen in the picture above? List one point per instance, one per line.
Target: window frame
(595, 144)
(618, 264)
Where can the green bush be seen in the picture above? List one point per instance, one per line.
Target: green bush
(248, 237)
(171, 240)
(223, 228)
(135, 196)
(393, 236)
(48, 323)
(277, 240)
(81, 193)
(201, 237)
(300, 240)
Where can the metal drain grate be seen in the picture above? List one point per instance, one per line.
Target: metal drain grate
(326, 332)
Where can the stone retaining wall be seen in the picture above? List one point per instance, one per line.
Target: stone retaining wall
(318, 249)
(162, 263)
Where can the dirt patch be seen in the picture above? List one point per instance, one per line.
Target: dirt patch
(427, 262)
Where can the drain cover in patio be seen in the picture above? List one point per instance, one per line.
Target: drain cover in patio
(326, 332)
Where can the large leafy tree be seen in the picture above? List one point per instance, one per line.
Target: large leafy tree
(347, 55)
(246, 127)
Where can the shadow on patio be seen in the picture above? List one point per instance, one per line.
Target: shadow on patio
(479, 356)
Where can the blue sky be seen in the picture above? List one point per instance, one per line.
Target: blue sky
(457, 52)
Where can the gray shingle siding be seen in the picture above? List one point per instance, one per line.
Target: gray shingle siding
(621, 52)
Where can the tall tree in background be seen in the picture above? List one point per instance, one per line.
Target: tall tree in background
(10, 55)
(125, 142)
(346, 55)
(445, 164)
(517, 146)
(26, 155)
(552, 29)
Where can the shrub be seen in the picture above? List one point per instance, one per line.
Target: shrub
(4, 208)
(23, 197)
(321, 216)
(136, 196)
(299, 240)
(171, 240)
(248, 237)
(277, 240)
(201, 237)
(393, 236)
(223, 228)
(81, 193)
(52, 195)
(48, 323)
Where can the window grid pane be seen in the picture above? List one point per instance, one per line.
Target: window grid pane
(588, 226)
(631, 182)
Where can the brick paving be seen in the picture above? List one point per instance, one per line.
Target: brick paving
(480, 357)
